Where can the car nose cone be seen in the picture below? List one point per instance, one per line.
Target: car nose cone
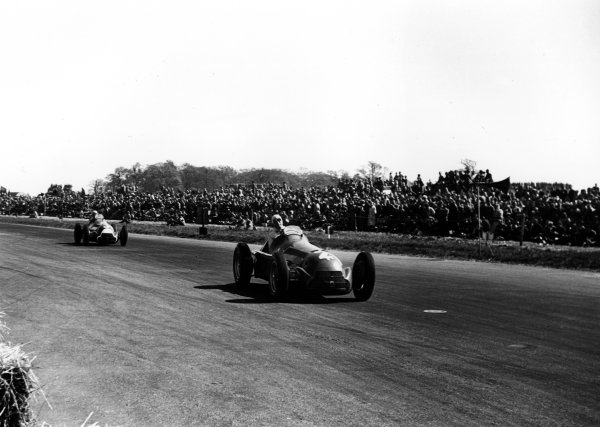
(322, 261)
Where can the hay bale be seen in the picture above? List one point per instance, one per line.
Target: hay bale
(17, 382)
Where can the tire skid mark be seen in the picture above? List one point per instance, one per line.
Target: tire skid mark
(22, 272)
(325, 337)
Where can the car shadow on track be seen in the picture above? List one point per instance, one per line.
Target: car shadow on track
(256, 293)
(91, 245)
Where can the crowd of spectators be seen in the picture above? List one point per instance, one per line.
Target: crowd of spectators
(460, 203)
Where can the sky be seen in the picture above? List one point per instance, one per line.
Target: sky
(417, 86)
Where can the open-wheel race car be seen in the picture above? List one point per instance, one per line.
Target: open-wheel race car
(101, 232)
(289, 261)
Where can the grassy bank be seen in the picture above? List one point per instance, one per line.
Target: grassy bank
(450, 248)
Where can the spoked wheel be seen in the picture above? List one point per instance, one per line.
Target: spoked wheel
(243, 265)
(363, 276)
(279, 277)
(123, 235)
(78, 234)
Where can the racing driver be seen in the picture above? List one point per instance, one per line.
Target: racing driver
(278, 227)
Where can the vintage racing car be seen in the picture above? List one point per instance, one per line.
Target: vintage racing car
(101, 232)
(289, 261)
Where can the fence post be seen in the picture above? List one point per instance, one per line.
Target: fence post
(522, 230)
(203, 231)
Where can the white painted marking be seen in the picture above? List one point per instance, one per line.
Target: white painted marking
(518, 346)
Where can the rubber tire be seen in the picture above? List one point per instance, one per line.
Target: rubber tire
(243, 265)
(363, 276)
(279, 277)
(78, 234)
(123, 235)
(86, 235)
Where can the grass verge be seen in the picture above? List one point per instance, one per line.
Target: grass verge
(566, 257)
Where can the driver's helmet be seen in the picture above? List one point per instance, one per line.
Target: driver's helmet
(98, 220)
(277, 222)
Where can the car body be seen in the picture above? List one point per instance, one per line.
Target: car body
(101, 232)
(289, 261)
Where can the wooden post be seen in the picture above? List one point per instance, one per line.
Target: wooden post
(203, 230)
(478, 222)
(522, 229)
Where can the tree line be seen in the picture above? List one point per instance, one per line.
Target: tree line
(153, 178)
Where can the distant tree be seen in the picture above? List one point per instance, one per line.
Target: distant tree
(339, 174)
(193, 177)
(318, 179)
(160, 175)
(59, 190)
(122, 176)
(225, 175)
(134, 179)
(264, 176)
(97, 186)
(372, 170)
(117, 179)
(469, 165)
(188, 177)
(55, 190)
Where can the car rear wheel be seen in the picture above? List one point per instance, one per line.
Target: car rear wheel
(363, 276)
(78, 234)
(123, 235)
(243, 265)
(85, 234)
(279, 277)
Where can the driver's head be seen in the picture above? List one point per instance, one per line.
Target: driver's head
(277, 222)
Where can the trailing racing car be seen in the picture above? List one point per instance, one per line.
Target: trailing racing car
(101, 232)
(289, 261)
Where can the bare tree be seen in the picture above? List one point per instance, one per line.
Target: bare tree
(469, 165)
(372, 170)
(97, 186)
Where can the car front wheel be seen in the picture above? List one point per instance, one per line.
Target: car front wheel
(279, 277)
(363, 276)
(243, 265)
(78, 234)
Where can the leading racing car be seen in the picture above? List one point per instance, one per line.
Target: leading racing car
(289, 261)
(100, 231)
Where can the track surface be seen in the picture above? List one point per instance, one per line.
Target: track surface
(155, 334)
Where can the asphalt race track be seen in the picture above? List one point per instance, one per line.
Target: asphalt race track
(156, 334)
